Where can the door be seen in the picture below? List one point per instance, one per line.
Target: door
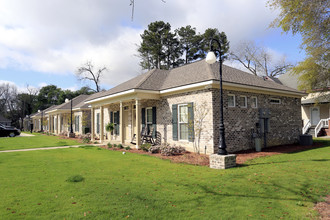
(315, 115)
(125, 124)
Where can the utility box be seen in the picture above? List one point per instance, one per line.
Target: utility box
(257, 143)
(305, 139)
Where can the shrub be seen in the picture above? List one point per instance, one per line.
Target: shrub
(120, 146)
(167, 150)
(114, 145)
(145, 147)
(154, 149)
(85, 140)
(128, 148)
(109, 145)
(75, 179)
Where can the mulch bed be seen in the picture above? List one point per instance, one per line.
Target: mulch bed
(323, 208)
(241, 156)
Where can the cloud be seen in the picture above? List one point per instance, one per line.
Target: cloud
(56, 37)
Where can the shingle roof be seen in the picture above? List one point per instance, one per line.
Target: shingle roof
(196, 72)
(77, 102)
(320, 98)
(37, 114)
(289, 79)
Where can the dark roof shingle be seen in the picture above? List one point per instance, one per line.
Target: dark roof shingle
(192, 73)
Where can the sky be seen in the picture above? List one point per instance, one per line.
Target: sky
(44, 42)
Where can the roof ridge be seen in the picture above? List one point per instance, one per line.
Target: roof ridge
(148, 74)
(210, 72)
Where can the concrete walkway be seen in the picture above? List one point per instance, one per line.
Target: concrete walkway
(49, 148)
(25, 135)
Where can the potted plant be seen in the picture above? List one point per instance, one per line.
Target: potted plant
(109, 127)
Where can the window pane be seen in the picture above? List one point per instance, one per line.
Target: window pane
(243, 103)
(183, 114)
(231, 101)
(184, 131)
(149, 115)
(254, 102)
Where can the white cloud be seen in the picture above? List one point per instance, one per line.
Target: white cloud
(58, 36)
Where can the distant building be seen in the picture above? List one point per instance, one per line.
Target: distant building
(5, 121)
(315, 107)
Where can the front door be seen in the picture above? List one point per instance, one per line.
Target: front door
(315, 115)
(125, 123)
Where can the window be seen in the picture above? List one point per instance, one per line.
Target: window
(76, 123)
(116, 122)
(98, 123)
(231, 100)
(183, 122)
(254, 103)
(275, 101)
(243, 101)
(149, 118)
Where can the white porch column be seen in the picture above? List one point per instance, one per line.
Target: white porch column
(92, 124)
(51, 124)
(121, 133)
(102, 124)
(48, 123)
(138, 122)
(57, 124)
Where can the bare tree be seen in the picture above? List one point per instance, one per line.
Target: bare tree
(258, 60)
(86, 72)
(200, 113)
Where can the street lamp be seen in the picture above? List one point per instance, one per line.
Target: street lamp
(71, 130)
(210, 59)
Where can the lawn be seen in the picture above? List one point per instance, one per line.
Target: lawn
(36, 141)
(34, 186)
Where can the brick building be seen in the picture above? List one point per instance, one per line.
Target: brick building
(182, 106)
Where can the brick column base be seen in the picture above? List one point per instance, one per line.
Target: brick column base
(222, 161)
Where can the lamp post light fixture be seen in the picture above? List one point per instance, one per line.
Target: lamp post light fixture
(71, 130)
(210, 59)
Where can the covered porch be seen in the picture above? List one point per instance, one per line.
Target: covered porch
(130, 114)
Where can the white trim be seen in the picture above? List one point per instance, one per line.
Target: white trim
(263, 89)
(131, 91)
(179, 136)
(191, 86)
(231, 95)
(245, 102)
(254, 97)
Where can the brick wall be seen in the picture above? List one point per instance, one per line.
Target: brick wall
(285, 120)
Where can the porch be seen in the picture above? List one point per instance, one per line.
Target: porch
(129, 118)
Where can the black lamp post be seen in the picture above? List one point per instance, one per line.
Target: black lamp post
(210, 59)
(71, 130)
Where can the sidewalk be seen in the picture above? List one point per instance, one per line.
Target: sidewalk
(49, 148)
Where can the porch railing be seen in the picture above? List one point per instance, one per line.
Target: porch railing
(306, 127)
(323, 123)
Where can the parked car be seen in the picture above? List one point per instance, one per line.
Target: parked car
(6, 131)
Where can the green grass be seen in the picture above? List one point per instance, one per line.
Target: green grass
(115, 186)
(36, 141)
